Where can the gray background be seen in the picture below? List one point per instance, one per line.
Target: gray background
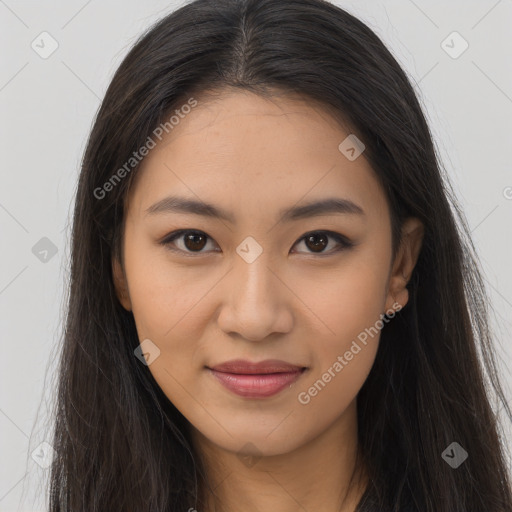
(47, 107)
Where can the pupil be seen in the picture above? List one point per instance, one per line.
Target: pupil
(191, 241)
(317, 246)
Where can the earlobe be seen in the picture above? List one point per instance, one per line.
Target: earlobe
(120, 284)
(405, 261)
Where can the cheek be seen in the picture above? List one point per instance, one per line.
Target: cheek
(171, 307)
(350, 308)
(343, 360)
(165, 297)
(166, 307)
(343, 302)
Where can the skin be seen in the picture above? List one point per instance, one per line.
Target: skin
(253, 157)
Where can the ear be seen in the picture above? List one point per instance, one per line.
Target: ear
(405, 261)
(120, 284)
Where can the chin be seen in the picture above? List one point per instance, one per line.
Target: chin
(258, 442)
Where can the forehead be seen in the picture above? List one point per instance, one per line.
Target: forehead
(247, 152)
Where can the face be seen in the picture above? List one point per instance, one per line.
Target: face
(256, 283)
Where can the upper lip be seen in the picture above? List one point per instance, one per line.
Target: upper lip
(267, 366)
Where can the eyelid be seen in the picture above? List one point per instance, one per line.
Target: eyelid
(343, 241)
(168, 239)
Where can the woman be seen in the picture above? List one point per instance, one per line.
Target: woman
(272, 306)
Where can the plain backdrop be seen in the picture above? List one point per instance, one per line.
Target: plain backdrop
(47, 106)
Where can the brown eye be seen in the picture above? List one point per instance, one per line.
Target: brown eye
(195, 241)
(317, 241)
(191, 241)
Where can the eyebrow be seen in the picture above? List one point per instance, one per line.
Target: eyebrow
(331, 205)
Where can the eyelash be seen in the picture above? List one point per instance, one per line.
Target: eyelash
(343, 241)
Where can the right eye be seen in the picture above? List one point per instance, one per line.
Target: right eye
(193, 241)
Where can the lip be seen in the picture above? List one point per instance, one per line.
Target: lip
(256, 380)
(248, 367)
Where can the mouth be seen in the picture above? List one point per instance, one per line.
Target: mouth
(256, 380)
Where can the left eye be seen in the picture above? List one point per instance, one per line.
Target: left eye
(194, 241)
(319, 240)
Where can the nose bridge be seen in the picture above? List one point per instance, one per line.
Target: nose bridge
(255, 280)
(255, 304)
(251, 267)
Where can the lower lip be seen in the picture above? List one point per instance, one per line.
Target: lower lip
(257, 385)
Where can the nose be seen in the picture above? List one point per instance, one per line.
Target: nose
(255, 301)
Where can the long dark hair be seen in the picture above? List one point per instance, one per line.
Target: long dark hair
(120, 444)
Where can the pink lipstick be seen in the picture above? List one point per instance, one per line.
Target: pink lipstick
(256, 380)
